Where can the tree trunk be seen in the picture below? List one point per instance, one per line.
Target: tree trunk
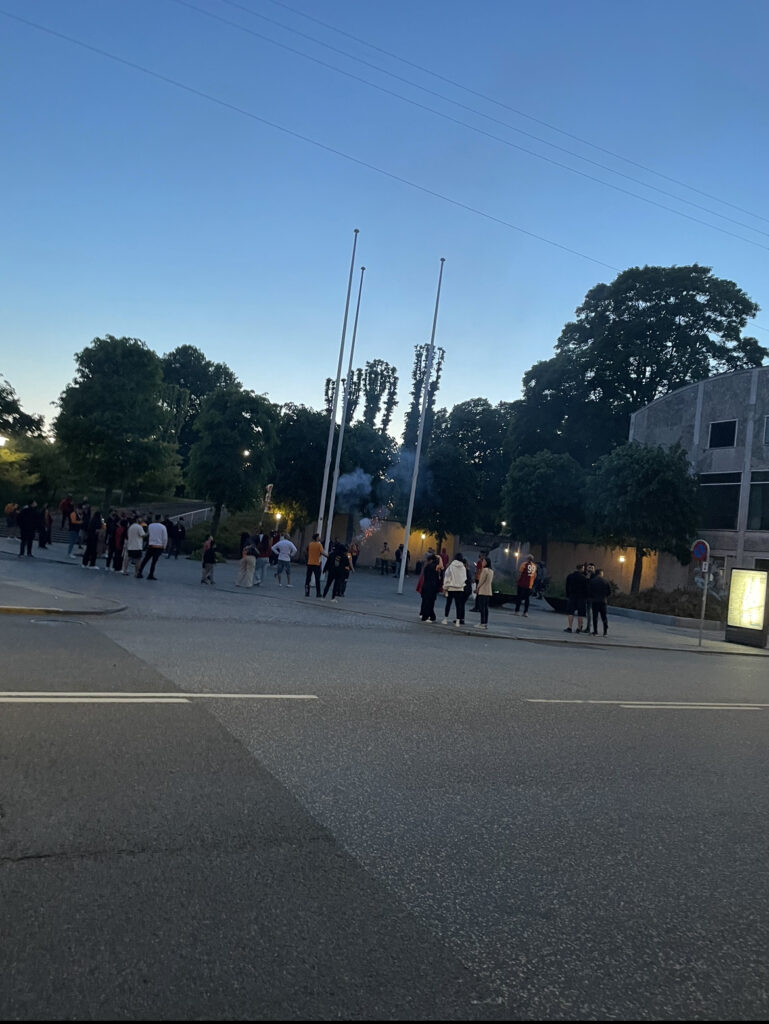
(635, 586)
(217, 517)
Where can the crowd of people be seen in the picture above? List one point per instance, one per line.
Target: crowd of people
(127, 541)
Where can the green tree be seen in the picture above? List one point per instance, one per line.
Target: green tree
(17, 481)
(14, 422)
(299, 458)
(479, 430)
(189, 378)
(379, 385)
(419, 382)
(645, 498)
(543, 497)
(111, 424)
(232, 459)
(650, 331)
(445, 499)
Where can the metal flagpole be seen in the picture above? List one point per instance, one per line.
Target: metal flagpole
(332, 422)
(422, 416)
(345, 403)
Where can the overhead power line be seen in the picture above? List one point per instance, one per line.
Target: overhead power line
(303, 138)
(504, 106)
(486, 134)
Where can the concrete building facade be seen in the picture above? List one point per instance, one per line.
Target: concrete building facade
(723, 425)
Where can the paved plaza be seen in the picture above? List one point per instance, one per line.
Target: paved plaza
(247, 804)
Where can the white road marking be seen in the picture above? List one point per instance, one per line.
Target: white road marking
(175, 695)
(94, 700)
(659, 705)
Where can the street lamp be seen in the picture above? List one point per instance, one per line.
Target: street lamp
(246, 453)
(278, 516)
(622, 558)
(504, 523)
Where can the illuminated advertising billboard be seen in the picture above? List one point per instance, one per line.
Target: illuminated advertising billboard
(746, 619)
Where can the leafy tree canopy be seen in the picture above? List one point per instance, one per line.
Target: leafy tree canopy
(543, 497)
(232, 458)
(188, 378)
(645, 497)
(14, 422)
(299, 458)
(650, 331)
(111, 424)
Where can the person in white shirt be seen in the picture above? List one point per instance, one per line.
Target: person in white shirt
(132, 551)
(285, 551)
(157, 539)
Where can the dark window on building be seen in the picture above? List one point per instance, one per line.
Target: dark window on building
(719, 500)
(766, 429)
(723, 434)
(758, 506)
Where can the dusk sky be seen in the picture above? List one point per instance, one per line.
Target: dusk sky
(135, 207)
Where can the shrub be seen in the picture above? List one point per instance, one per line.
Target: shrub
(683, 603)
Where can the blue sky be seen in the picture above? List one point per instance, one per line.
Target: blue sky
(132, 207)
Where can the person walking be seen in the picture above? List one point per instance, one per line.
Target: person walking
(245, 576)
(132, 551)
(315, 554)
(285, 551)
(28, 521)
(454, 583)
(526, 577)
(576, 597)
(208, 560)
(483, 595)
(429, 585)
(599, 592)
(157, 538)
(337, 570)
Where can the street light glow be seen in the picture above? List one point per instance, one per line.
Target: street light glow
(622, 558)
(504, 522)
(246, 453)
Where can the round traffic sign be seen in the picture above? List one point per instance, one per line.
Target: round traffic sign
(700, 550)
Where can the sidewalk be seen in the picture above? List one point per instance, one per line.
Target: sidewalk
(368, 593)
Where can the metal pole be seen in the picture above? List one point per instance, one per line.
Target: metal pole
(705, 576)
(345, 404)
(332, 422)
(422, 417)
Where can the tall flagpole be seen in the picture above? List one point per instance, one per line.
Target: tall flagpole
(422, 416)
(345, 404)
(332, 422)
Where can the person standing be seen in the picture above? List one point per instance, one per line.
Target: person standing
(385, 557)
(118, 544)
(479, 566)
(589, 570)
(483, 594)
(454, 582)
(430, 581)
(208, 560)
(599, 592)
(157, 538)
(66, 507)
(92, 541)
(337, 570)
(132, 551)
(526, 577)
(28, 521)
(354, 553)
(285, 551)
(262, 557)
(11, 514)
(46, 525)
(75, 526)
(247, 564)
(576, 597)
(170, 526)
(315, 554)
(179, 534)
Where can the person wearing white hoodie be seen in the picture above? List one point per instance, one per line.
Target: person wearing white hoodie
(454, 582)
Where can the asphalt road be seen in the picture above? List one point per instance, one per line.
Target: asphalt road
(442, 833)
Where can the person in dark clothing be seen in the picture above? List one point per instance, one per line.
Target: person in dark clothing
(170, 526)
(337, 570)
(599, 592)
(92, 540)
(66, 506)
(28, 521)
(179, 534)
(44, 528)
(576, 597)
(431, 586)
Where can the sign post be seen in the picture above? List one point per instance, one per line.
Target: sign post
(701, 551)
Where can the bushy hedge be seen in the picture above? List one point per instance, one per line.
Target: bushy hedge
(683, 603)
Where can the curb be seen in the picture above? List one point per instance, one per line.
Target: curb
(17, 610)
